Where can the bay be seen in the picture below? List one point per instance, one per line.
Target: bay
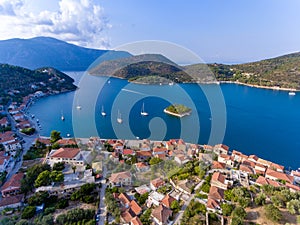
(251, 120)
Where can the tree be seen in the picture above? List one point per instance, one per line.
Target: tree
(155, 160)
(260, 199)
(43, 179)
(28, 212)
(22, 222)
(59, 166)
(227, 209)
(56, 176)
(239, 212)
(273, 213)
(175, 206)
(54, 136)
(293, 206)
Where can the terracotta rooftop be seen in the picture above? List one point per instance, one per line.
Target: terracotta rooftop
(68, 153)
(128, 215)
(264, 181)
(167, 201)
(218, 165)
(217, 176)
(246, 169)
(144, 153)
(212, 204)
(115, 177)
(124, 199)
(135, 207)
(136, 221)
(128, 152)
(161, 213)
(216, 193)
(225, 147)
(11, 200)
(157, 182)
(13, 183)
(66, 142)
(279, 175)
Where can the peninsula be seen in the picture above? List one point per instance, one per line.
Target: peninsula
(178, 110)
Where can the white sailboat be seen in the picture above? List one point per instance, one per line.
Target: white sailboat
(143, 112)
(78, 107)
(103, 113)
(292, 93)
(119, 118)
(62, 116)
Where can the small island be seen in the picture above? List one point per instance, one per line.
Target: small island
(178, 110)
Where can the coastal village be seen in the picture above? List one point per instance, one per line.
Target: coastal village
(137, 181)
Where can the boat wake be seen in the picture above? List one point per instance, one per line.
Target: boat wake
(131, 91)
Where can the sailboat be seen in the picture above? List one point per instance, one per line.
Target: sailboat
(78, 107)
(143, 113)
(62, 116)
(103, 113)
(119, 119)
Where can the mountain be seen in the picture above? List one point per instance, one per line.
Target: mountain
(282, 71)
(145, 68)
(45, 51)
(17, 82)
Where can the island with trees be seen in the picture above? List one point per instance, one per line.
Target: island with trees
(178, 110)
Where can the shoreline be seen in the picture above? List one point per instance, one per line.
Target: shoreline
(275, 88)
(258, 86)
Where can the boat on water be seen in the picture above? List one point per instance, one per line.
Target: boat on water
(78, 107)
(143, 112)
(62, 116)
(119, 118)
(103, 113)
(68, 135)
(292, 93)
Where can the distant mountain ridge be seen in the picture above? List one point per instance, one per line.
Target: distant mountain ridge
(50, 52)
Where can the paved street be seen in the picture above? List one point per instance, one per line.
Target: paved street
(102, 192)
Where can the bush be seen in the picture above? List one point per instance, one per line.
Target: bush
(62, 203)
(273, 213)
(28, 212)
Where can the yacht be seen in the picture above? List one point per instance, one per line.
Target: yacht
(143, 113)
(62, 116)
(78, 107)
(103, 113)
(292, 93)
(119, 118)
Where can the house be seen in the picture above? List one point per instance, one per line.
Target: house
(260, 169)
(156, 183)
(206, 157)
(216, 193)
(238, 156)
(44, 140)
(67, 155)
(264, 162)
(275, 175)
(4, 122)
(66, 142)
(218, 180)
(185, 186)
(141, 167)
(127, 216)
(168, 200)
(124, 199)
(161, 215)
(120, 179)
(292, 187)
(218, 166)
(212, 205)
(11, 202)
(135, 207)
(4, 161)
(221, 149)
(277, 167)
(248, 163)
(136, 221)
(154, 198)
(227, 159)
(169, 145)
(181, 145)
(208, 148)
(143, 155)
(142, 189)
(181, 159)
(12, 186)
(159, 151)
(247, 169)
(296, 175)
(23, 124)
(127, 152)
(260, 181)
(18, 116)
(253, 158)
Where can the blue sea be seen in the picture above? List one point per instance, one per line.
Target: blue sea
(251, 120)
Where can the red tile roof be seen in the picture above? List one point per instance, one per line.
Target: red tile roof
(69, 153)
(64, 142)
(246, 169)
(264, 181)
(135, 207)
(127, 215)
(13, 183)
(212, 204)
(217, 176)
(279, 175)
(128, 152)
(144, 153)
(218, 165)
(161, 213)
(157, 182)
(124, 199)
(115, 177)
(136, 221)
(216, 193)
(167, 201)
(11, 200)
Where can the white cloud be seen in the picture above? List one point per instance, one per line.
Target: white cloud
(80, 22)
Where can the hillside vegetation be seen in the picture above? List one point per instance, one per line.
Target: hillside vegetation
(17, 82)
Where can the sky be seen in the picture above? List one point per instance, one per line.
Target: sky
(231, 31)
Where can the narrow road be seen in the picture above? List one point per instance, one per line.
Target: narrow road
(102, 192)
